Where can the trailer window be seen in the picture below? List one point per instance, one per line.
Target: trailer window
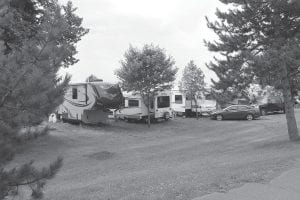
(178, 99)
(133, 103)
(163, 102)
(74, 93)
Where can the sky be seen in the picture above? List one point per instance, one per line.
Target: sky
(178, 26)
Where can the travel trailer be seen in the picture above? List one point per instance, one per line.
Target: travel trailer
(90, 102)
(163, 107)
(178, 102)
(205, 105)
(134, 109)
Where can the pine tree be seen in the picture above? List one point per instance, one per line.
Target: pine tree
(145, 71)
(259, 40)
(34, 45)
(193, 83)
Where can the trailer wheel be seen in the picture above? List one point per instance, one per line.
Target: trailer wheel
(167, 116)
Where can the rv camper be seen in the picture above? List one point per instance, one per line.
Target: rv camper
(205, 105)
(90, 102)
(135, 109)
(178, 101)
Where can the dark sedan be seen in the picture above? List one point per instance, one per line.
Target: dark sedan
(236, 112)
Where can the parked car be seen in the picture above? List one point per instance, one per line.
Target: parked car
(272, 105)
(236, 112)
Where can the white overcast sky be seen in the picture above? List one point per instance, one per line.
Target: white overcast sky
(178, 26)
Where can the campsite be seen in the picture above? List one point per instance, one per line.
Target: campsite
(177, 159)
(149, 100)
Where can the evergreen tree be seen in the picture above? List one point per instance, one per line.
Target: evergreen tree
(27, 11)
(34, 45)
(259, 40)
(145, 71)
(193, 83)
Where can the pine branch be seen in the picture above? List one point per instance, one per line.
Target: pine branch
(9, 92)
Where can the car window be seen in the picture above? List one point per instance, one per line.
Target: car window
(231, 108)
(274, 100)
(243, 108)
(271, 100)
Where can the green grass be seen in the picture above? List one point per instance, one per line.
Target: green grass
(178, 159)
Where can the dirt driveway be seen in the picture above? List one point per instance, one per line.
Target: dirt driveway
(179, 159)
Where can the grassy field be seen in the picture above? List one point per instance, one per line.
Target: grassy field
(178, 159)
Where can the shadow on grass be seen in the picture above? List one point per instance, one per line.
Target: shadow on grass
(278, 144)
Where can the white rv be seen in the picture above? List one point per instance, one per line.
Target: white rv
(90, 102)
(135, 109)
(178, 102)
(205, 105)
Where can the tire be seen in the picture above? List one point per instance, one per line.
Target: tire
(263, 112)
(219, 117)
(249, 117)
(167, 116)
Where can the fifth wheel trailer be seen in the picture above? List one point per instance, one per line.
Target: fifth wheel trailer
(90, 102)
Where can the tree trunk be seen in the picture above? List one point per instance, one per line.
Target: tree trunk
(148, 108)
(290, 115)
(289, 107)
(196, 104)
(192, 112)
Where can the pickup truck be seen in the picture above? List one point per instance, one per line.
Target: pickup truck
(272, 105)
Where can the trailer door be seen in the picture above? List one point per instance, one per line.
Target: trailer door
(163, 106)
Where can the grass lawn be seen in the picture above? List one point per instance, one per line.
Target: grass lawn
(178, 159)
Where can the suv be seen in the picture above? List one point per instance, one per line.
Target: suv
(274, 104)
